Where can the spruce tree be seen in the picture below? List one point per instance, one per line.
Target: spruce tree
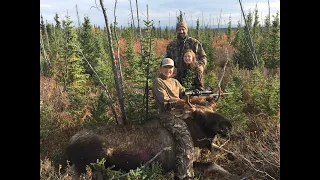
(256, 28)
(198, 29)
(74, 76)
(149, 62)
(42, 25)
(166, 33)
(56, 39)
(275, 43)
(104, 65)
(243, 56)
(229, 30)
(87, 44)
(258, 39)
(207, 44)
(267, 25)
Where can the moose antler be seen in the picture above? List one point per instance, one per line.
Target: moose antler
(188, 101)
(220, 92)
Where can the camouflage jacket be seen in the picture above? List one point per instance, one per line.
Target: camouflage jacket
(176, 48)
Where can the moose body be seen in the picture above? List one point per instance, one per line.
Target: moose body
(130, 146)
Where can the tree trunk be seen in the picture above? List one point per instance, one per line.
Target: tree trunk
(114, 68)
(140, 34)
(121, 92)
(134, 29)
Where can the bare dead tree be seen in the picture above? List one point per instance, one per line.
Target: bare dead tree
(66, 59)
(202, 23)
(251, 46)
(218, 31)
(114, 66)
(269, 17)
(47, 37)
(78, 17)
(134, 28)
(169, 21)
(43, 49)
(269, 10)
(139, 27)
(118, 55)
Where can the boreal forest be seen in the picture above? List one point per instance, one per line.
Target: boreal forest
(102, 76)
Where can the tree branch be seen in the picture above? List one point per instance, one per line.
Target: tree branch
(252, 166)
(101, 83)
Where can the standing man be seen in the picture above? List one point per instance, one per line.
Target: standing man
(175, 51)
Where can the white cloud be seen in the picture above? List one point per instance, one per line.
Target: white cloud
(46, 6)
(158, 10)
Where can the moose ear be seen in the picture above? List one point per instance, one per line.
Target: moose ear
(212, 105)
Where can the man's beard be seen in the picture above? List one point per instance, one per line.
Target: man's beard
(181, 36)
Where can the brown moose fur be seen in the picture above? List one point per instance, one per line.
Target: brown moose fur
(130, 146)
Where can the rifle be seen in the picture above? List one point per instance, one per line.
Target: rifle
(208, 95)
(195, 96)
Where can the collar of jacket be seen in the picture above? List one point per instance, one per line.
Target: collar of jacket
(163, 77)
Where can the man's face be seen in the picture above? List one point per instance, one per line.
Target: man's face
(167, 70)
(182, 32)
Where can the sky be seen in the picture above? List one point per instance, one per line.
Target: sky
(207, 11)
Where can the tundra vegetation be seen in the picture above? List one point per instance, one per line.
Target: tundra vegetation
(83, 69)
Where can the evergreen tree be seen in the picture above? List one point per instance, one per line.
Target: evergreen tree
(229, 30)
(258, 40)
(265, 43)
(243, 56)
(267, 24)
(180, 17)
(45, 37)
(45, 62)
(42, 25)
(275, 43)
(144, 72)
(159, 34)
(48, 28)
(98, 109)
(87, 44)
(256, 23)
(238, 36)
(132, 72)
(198, 29)
(249, 22)
(207, 44)
(74, 76)
(56, 39)
(103, 59)
(166, 33)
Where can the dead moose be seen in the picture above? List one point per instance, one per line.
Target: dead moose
(130, 146)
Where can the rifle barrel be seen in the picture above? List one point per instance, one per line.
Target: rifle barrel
(214, 94)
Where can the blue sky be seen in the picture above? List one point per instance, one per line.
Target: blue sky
(165, 11)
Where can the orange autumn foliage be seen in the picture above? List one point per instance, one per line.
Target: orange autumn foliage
(159, 48)
(221, 42)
